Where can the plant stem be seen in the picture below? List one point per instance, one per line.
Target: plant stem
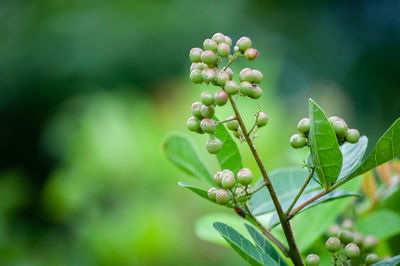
(294, 253)
(226, 120)
(300, 192)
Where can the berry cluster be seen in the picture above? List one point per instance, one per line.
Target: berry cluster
(229, 187)
(342, 131)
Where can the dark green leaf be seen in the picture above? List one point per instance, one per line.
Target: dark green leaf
(199, 191)
(180, 150)
(382, 223)
(262, 243)
(390, 262)
(229, 156)
(352, 156)
(325, 151)
(387, 148)
(252, 254)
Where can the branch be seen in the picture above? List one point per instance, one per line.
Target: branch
(300, 192)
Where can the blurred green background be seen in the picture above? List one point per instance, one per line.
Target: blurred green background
(90, 89)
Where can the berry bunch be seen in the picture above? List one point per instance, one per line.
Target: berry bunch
(228, 187)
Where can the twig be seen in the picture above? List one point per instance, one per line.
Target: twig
(300, 192)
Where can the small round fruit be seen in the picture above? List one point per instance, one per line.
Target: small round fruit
(212, 193)
(243, 43)
(345, 236)
(251, 54)
(340, 128)
(214, 145)
(208, 74)
(218, 37)
(298, 141)
(256, 92)
(228, 41)
(352, 251)
(198, 66)
(196, 106)
(208, 125)
(232, 125)
(220, 97)
(231, 87)
(230, 72)
(312, 260)
(228, 179)
(207, 98)
(352, 135)
(244, 176)
(371, 259)
(333, 230)
(222, 77)
(240, 192)
(195, 55)
(210, 44)
(246, 74)
(370, 242)
(332, 244)
(333, 119)
(246, 88)
(348, 224)
(223, 49)
(208, 57)
(193, 124)
(218, 179)
(207, 111)
(236, 49)
(262, 119)
(258, 76)
(222, 197)
(358, 238)
(304, 125)
(196, 76)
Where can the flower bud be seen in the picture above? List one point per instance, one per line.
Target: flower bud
(333, 230)
(258, 76)
(196, 106)
(198, 66)
(208, 125)
(207, 111)
(340, 128)
(223, 197)
(358, 238)
(246, 74)
(218, 179)
(332, 244)
(304, 125)
(312, 260)
(214, 145)
(246, 88)
(209, 44)
(228, 179)
(348, 224)
(298, 141)
(240, 192)
(370, 242)
(228, 41)
(334, 118)
(230, 73)
(244, 176)
(218, 38)
(221, 77)
(231, 87)
(243, 44)
(352, 251)
(196, 76)
(223, 49)
(208, 57)
(207, 98)
(212, 193)
(209, 74)
(251, 54)
(220, 97)
(262, 119)
(345, 236)
(232, 125)
(236, 48)
(256, 92)
(352, 135)
(371, 259)
(195, 55)
(193, 124)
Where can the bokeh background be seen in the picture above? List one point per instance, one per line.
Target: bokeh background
(90, 89)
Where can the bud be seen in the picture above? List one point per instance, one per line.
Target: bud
(209, 44)
(212, 193)
(246, 88)
(193, 124)
(256, 92)
(232, 125)
(213, 145)
(208, 57)
(340, 128)
(251, 54)
(221, 77)
(230, 73)
(246, 74)
(236, 48)
(239, 192)
(209, 74)
(218, 37)
(298, 141)
(228, 179)
(312, 260)
(332, 244)
(218, 179)
(358, 238)
(333, 119)
(198, 66)
(228, 41)
(195, 55)
(352, 135)
(243, 44)
(207, 98)
(244, 176)
(208, 125)
(304, 125)
(262, 119)
(223, 50)
(222, 197)
(221, 97)
(231, 87)
(258, 76)
(345, 236)
(196, 76)
(333, 230)
(196, 106)
(207, 111)
(348, 224)
(371, 259)
(370, 242)
(352, 251)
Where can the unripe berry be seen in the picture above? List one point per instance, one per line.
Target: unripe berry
(228, 179)
(334, 230)
(207, 111)
(208, 57)
(196, 76)
(332, 244)
(348, 224)
(370, 242)
(223, 49)
(209, 44)
(199, 66)
(221, 77)
(244, 176)
(208, 125)
(230, 72)
(239, 192)
(246, 88)
(207, 98)
(258, 76)
(212, 193)
(218, 37)
(195, 55)
(218, 179)
(340, 128)
(312, 260)
(345, 236)
(232, 125)
(228, 41)
(358, 238)
(304, 125)
(236, 48)
(333, 119)
(298, 141)
(193, 124)
(256, 92)
(352, 135)
(243, 43)
(209, 74)
(249, 189)
(262, 119)
(371, 259)
(251, 54)
(246, 74)
(231, 87)
(214, 145)
(352, 251)
(222, 197)
(221, 97)
(196, 106)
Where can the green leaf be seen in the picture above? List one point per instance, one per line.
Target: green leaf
(262, 243)
(180, 150)
(390, 262)
(386, 149)
(382, 223)
(199, 191)
(325, 151)
(229, 157)
(352, 156)
(252, 254)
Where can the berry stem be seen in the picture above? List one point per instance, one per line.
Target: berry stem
(300, 192)
(255, 123)
(253, 191)
(227, 120)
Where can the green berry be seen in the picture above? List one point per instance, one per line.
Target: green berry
(352, 251)
(244, 176)
(240, 192)
(358, 238)
(208, 125)
(332, 244)
(333, 119)
(312, 260)
(352, 135)
(196, 106)
(298, 141)
(198, 66)
(223, 49)
(340, 128)
(228, 41)
(195, 55)
(214, 145)
(334, 230)
(209, 57)
(251, 54)
(345, 236)
(212, 193)
(304, 125)
(218, 38)
(222, 77)
(230, 73)
(371, 259)
(262, 119)
(207, 111)
(209, 74)
(246, 74)
(243, 44)
(256, 92)
(209, 44)
(228, 179)
(207, 98)
(193, 124)
(348, 224)
(231, 87)
(196, 76)
(370, 242)
(258, 76)
(232, 125)
(236, 49)
(220, 97)
(222, 197)
(246, 88)
(218, 179)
